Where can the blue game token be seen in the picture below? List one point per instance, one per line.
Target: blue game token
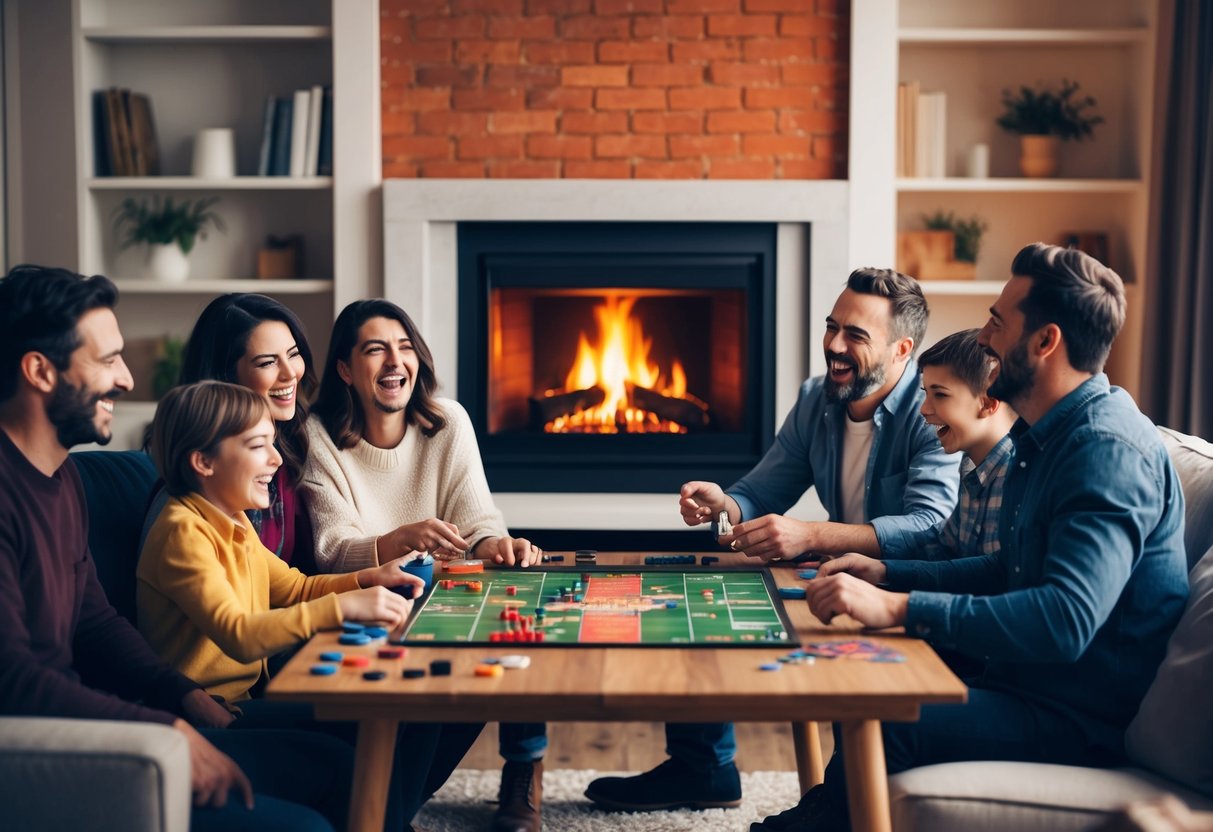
(807, 574)
(375, 632)
(671, 605)
(791, 592)
(354, 639)
(332, 657)
(352, 627)
(773, 666)
(324, 669)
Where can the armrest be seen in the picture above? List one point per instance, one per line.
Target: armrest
(93, 774)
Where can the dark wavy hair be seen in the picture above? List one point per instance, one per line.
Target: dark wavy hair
(963, 357)
(39, 309)
(220, 339)
(908, 318)
(1082, 296)
(337, 405)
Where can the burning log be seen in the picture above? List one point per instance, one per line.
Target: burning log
(546, 408)
(686, 412)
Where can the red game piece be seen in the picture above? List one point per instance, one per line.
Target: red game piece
(539, 636)
(511, 590)
(392, 652)
(356, 661)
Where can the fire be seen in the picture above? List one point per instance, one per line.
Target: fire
(616, 364)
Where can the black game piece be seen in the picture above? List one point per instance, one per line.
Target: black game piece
(708, 560)
(440, 667)
(586, 555)
(413, 673)
(374, 675)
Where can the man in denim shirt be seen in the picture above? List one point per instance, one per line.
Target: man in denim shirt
(1074, 613)
(857, 435)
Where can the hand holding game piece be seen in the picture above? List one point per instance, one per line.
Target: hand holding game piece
(845, 594)
(770, 537)
(375, 603)
(510, 551)
(435, 536)
(861, 566)
(701, 502)
(392, 575)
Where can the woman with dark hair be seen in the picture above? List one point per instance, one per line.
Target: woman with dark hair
(258, 343)
(393, 469)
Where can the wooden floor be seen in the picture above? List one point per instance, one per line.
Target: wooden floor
(638, 746)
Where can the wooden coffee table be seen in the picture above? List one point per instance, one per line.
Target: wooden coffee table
(644, 684)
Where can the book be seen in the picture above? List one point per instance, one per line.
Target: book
(299, 118)
(280, 155)
(267, 137)
(143, 136)
(119, 134)
(312, 155)
(102, 154)
(324, 163)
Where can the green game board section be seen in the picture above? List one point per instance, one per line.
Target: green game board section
(616, 606)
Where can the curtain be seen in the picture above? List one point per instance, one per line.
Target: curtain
(1177, 370)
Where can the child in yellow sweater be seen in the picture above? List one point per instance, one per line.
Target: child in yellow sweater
(215, 603)
(212, 600)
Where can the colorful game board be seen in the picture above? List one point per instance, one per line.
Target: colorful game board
(636, 606)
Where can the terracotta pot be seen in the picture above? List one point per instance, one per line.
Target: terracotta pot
(1039, 156)
(166, 262)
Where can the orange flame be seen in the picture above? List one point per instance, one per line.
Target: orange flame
(620, 359)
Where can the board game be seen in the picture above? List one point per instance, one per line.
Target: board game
(636, 606)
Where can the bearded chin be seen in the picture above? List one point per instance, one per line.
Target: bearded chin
(72, 412)
(862, 387)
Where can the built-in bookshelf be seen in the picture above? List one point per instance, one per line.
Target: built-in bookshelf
(214, 64)
(971, 52)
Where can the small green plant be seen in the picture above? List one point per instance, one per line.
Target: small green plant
(170, 354)
(967, 233)
(166, 222)
(1045, 112)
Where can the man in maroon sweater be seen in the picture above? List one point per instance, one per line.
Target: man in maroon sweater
(64, 651)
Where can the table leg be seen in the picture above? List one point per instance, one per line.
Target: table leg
(867, 779)
(807, 743)
(372, 774)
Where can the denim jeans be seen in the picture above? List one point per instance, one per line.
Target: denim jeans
(522, 742)
(301, 782)
(991, 726)
(701, 745)
(426, 752)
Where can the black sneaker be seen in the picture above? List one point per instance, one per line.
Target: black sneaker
(814, 811)
(672, 785)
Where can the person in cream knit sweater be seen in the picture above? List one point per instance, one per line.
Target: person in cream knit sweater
(393, 469)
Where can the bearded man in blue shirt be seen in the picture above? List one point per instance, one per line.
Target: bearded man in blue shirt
(856, 434)
(1074, 612)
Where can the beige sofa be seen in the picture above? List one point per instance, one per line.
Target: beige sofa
(1170, 741)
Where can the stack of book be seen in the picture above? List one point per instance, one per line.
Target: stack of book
(922, 129)
(297, 134)
(124, 134)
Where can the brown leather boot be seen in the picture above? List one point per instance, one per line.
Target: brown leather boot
(520, 798)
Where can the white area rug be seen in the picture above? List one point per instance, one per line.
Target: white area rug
(468, 799)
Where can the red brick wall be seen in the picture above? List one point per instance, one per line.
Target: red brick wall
(666, 89)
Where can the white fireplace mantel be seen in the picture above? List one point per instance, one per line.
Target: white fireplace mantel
(420, 218)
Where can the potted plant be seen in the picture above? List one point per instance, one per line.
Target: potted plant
(1044, 117)
(966, 234)
(170, 355)
(169, 229)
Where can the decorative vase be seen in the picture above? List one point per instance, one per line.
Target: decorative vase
(1039, 156)
(167, 263)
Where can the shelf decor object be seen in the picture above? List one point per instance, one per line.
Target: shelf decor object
(169, 229)
(1043, 118)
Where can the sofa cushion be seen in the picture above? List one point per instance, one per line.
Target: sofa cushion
(1193, 461)
(1018, 797)
(1173, 732)
(117, 487)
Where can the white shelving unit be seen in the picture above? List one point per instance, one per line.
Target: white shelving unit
(972, 52)
(213, 63)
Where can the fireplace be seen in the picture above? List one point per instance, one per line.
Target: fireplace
(616, 357)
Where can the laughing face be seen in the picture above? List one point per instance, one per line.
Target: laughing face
(951, 408)
(237, 478)
(81, 407)
(272, 366)
(859, 352)
(1004, 338)
(383, 366)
